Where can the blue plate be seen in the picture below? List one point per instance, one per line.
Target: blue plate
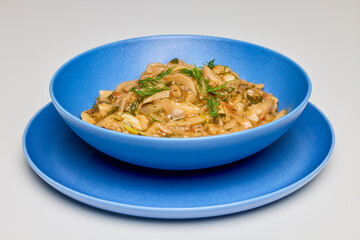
(76, 169)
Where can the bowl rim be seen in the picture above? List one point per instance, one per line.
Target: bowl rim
(177, 139)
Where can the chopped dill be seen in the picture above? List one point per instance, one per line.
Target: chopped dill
(164, 73)
(210, 64)
(133, 106)
(95, 108)
(254, 100)
(175, 61)
(111, 97)
(153, 119)
(215, 89)
(196, 73)
(250, 87)
(150, 86)
(187, 71)
(213, 104)
(113, 110)
(220, 91)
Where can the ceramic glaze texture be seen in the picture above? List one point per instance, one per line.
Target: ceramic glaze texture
(76, 169)
(76, 83)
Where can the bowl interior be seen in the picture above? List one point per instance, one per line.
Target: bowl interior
(77, 83)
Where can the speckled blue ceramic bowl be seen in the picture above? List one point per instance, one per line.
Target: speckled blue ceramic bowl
(78, 81)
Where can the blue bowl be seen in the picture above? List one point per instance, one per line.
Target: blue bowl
(78, 81)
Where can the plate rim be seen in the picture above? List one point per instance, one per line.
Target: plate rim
(181, 213)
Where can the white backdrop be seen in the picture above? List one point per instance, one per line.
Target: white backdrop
(37, 37)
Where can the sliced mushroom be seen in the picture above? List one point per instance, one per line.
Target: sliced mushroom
(104, 94)
(191, 98)
(110, 122)
(188, 122)
(120, 86)
(175, 90)
(130, 85)
(131, 121)
(213, 129)
(229, 125)
(214, 79)
(126, 100)
(144, 121)
(251, 115)
(157, 96)
(259, 86)
(228, 77)
(243, 121)
(152, 70)
(177, 113)
(101, 111)
(87, 118)
(188, 108)
(218, 69)
(280, 114)
(184, 80)
(151, 108)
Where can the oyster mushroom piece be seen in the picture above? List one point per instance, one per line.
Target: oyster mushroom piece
(183, 80)
(131, 121)
(214, 79)
(173, 108)
(157, 96)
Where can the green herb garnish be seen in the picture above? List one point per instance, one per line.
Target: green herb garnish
(113, 110)
(210, 64)
(203, 83)
(175, 61)
(250, 87)
(132, 107)
(215, 90)
(213, 104)
(196, 73)
(150, 86)
(206, 88)
(255, 100)
(148, 91)
(111, 97)
(153, 119)
(187, 71)
(95, 108)
(163, 74)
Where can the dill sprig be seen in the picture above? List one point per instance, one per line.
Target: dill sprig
(203, 83)
(113, 110)
(150, 86)
(215, 90)
(187, 71)
(153, 119)
(164, 73)
(210, 64)
(133, 106)
(255, 99)
(196, 73)
(213, 104)
(148, 91)
(174, 61)
(206, 88)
